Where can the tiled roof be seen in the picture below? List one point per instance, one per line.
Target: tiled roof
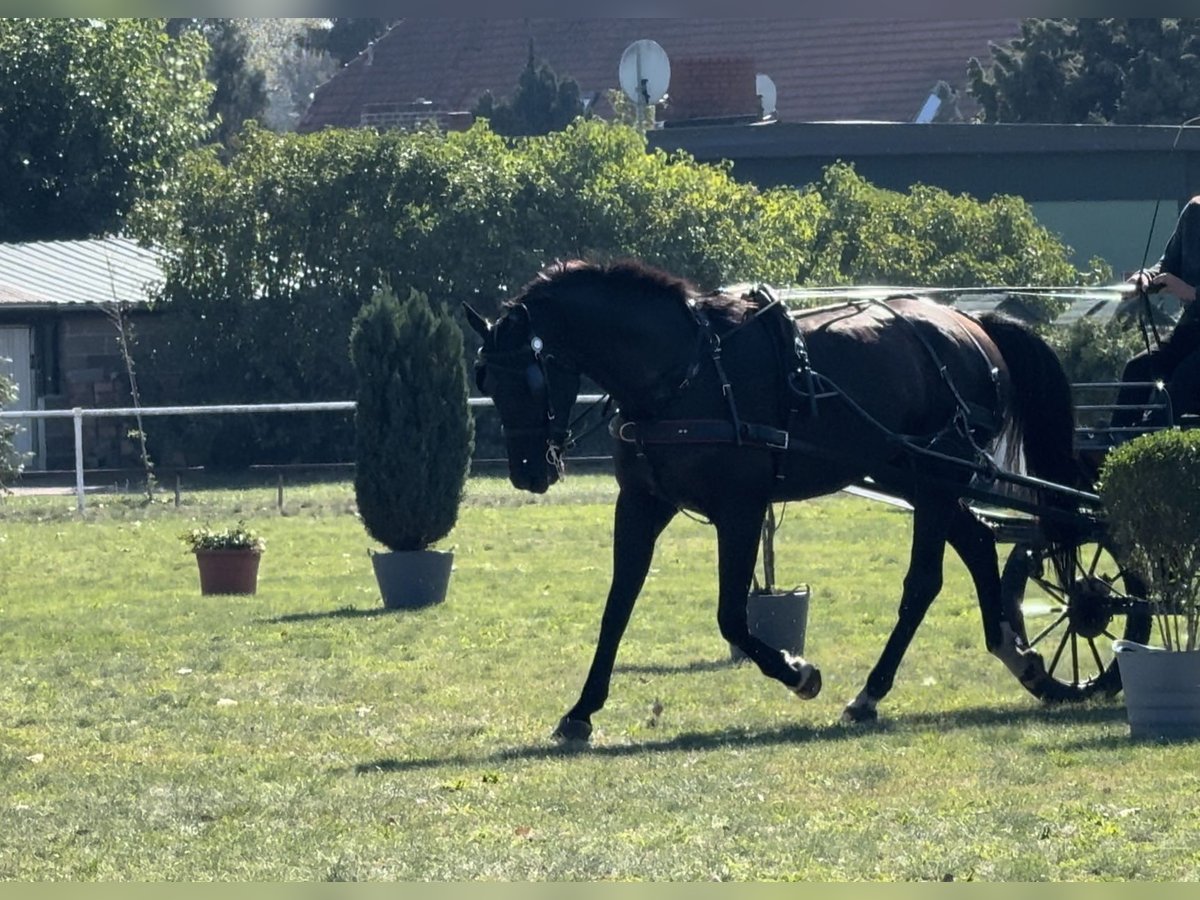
(56, 273)
(823, 69)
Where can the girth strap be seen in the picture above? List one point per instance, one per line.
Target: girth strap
(702, 431)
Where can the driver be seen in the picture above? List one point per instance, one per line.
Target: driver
(1176, 361)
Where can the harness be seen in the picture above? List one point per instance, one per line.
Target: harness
(530, 360)
(969, 424)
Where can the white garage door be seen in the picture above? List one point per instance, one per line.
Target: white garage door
(15, 363)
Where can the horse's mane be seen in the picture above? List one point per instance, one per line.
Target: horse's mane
(630, 277)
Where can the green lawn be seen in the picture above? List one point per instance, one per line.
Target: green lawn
(150, 733)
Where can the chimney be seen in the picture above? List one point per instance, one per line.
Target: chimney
(712, 88)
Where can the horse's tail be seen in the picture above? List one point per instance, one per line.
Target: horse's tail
(1042, 407)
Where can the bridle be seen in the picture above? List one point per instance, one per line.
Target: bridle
(532, 361)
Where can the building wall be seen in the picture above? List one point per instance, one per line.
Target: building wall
(89, 372)
(1120, 232)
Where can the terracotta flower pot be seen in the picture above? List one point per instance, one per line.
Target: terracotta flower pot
(228, 571)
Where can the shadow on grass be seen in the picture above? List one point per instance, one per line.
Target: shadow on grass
(742, 738)
(345, 612)
(1096, 712)
(681, 668)
(688, 741)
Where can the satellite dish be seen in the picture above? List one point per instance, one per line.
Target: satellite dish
(645, 72)
(765, 88)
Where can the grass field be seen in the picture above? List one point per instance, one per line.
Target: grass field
(150, 733)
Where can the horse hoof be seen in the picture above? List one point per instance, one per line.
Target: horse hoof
(859, 715)
(809, 684)
(573, 731)
(810, 687)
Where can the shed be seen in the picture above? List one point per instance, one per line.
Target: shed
(59, 335)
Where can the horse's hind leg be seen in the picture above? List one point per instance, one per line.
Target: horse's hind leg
(975, 544)
(639, 520)
(737, 548)
(931, 518)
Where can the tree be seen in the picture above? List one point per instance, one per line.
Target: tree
(292, 67)
(344, 38)
(1125, 71)
(94, 113)
(542, 103)
(241, 93)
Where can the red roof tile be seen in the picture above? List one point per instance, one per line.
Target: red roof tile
(823, 69)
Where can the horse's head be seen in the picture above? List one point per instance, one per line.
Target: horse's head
(533, 391)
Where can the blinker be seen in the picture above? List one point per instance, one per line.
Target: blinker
(535, 380)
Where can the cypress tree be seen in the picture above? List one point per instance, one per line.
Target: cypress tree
(413, 428)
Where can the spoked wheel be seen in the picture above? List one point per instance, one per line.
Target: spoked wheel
(1072, 621)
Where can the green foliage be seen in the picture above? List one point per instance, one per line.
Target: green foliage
(1127, 71)
(1151, 492)
(1092, 350)
(542, 103)
(414, 433)
(94, 113)
(231, 537)
(346, 37)
(240, 93)
(599, 194)
(869, 235)
(10, 460)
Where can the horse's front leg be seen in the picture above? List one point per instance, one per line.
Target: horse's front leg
(640, 519)
(737, 547)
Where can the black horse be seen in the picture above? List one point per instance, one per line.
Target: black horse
(726, 404)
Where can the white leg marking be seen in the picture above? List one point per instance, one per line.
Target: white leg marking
(804, 667)
(1015, 659)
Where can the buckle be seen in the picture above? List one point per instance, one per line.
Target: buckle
(777, 445)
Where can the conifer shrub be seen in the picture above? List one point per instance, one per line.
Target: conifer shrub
(413, 428)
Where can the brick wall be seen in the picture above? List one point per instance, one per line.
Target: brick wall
(712, 88)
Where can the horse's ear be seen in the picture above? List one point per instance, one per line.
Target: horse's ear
(477, 322)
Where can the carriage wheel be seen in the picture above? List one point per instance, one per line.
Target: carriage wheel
(1073, 624)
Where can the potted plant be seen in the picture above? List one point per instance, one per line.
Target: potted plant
(227, 558)
(776, 617)
(1150, 488)
(414, 435)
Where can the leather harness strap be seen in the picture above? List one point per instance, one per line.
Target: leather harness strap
(703, 431)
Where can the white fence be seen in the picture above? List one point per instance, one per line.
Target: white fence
(78, 414)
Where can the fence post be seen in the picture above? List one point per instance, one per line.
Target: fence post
(77, 415)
